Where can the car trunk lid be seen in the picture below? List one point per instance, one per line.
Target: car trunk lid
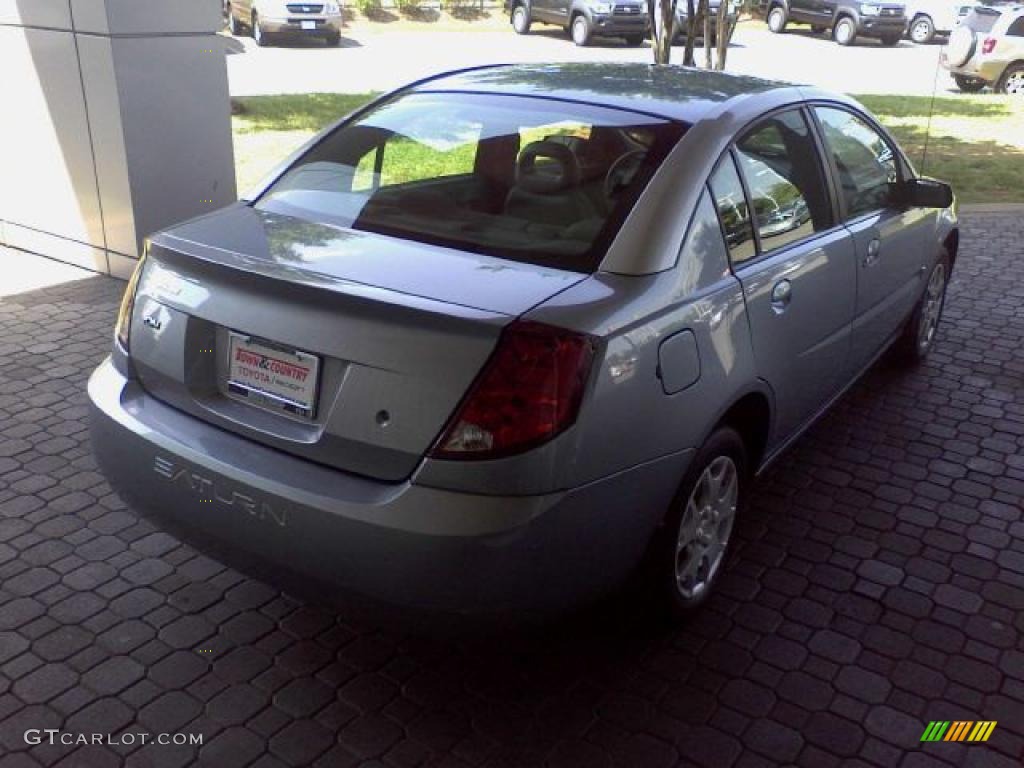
(393, 332)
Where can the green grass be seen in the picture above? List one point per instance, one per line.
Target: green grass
(269, 128)
(975, 143)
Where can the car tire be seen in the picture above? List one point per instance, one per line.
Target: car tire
(1012, 81)
(635, 40)
(922, 30)
(919, 333)
(777, 19)
(845, 31)
(694, 543)
(257, 32)
(521, 20)
(581, 30)
(968, 84)
(333, 40)
(234, 26)
(891, 40)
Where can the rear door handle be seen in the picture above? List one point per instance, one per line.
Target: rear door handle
(874, 247)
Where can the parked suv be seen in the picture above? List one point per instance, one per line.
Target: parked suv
(585, 18)
(270, 19)
(713, 6)
(930, 18)
(988, 49)
(847, 19)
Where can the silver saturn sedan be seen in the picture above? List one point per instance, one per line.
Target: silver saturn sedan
(492, 342)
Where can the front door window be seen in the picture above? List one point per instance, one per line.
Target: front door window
(865, 162)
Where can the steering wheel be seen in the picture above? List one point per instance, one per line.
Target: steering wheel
(622, 172)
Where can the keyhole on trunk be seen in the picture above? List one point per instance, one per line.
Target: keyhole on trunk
(383, 418)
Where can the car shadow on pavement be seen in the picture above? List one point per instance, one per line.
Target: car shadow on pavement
(557, 33)
(311, 42)
(859, 42)
(235, 45)
(232, 45)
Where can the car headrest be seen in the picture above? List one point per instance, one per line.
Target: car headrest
(559, 169)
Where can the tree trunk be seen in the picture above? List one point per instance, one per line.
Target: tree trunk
(701, 11)
(724, 32)
(691, 33)
(664, 27)
(707, 36)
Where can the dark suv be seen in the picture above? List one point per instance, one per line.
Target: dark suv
(713, 8)
(585, 18)
(847, 19)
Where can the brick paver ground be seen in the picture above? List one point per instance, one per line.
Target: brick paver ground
(879, 584)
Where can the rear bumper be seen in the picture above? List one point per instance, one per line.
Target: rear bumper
(329, 25)
(986, 70)
(405, 545)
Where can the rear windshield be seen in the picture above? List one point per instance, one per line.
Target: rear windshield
(982, 19)
(528, 179)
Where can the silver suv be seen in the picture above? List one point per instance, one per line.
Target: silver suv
(270, 20)
(987, 49)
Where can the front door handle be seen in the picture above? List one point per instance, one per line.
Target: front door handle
(782, 294)
(874, 247)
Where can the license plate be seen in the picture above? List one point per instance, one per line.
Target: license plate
(309, 25)
(273, 376)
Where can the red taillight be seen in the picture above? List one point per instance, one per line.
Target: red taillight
(528, 392)
(988, 45)
(123, 327)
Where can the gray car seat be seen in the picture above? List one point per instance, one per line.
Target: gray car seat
(547, 187)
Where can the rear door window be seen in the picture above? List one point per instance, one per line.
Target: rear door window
(785, 179)
(731, 203)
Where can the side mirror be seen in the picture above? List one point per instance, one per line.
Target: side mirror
(925, 193)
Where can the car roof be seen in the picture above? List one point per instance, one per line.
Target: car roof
(684, 94)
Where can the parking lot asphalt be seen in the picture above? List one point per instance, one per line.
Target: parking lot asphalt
(878, 585)
(376, 61)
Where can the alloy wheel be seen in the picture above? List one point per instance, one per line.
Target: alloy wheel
(705, 527)
(1015, 83)
(934, 297)
(921, 31)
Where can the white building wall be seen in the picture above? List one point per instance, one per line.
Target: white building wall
(114, 122)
